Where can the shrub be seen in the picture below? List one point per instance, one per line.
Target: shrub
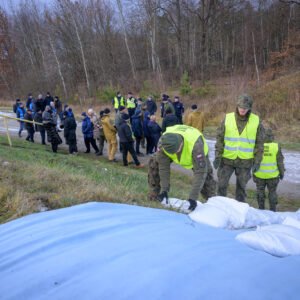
(185, 86)
(106, 94)
(204, 91)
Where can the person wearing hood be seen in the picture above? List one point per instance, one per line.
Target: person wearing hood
(88, 134)
(185, 146)
(137, 129)
(169, 119)
(126, 139)
(271, 170)
(110, 133)
(101, 138)
(70, 132)
(195, 118)
(239, 147)
(154, 131)
(38, 118)
(29, 126)
(20, 112)
(50, 127)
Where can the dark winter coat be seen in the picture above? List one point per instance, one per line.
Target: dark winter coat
(145, 123)
(155, 131)
(38, 117)
(169, 120)
(137, 124)
(39, 105)
(179, 109)
(52, 134)
(125, 133)
(70, 129)
(28, 117)
(47, 100)
(165, 106)
(87, 128)
(58, 106)
(151, 106)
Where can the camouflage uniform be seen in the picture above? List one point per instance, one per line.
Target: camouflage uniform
(159, 173)
(241, 167)
(271, 183)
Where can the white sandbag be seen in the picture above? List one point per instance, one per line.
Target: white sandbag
(278, 240)
(210, 215)
(182, 205)
(291, 222)
(257, 217)
(235, 210)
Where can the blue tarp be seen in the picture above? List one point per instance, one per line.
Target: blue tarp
(114, 251)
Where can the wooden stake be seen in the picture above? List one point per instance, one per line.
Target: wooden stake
(7, 132)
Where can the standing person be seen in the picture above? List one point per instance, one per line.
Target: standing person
(101, 133)
(50, 127)
(187, 147)
(147, 136)
(196, 118)
(88, 134)
(155, 132)
(131, 105)
(151, 105)
(110, 133)
(137, 129)
(271, 169)
(40, 104)
(118, 101)
(54, 114)
(126, 139)
(70, 132)
(20, 115)
(165, 104)
(29, 126)
(38, 117)
(48, 99)
(58, 107)
(118, 118)
(179, 109)
(169, 120)
(16, 105)
(30, 102)
(239, 147)
(140, 103)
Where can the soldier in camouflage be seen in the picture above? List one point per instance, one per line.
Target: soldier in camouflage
(270, 171)
(187, 147)
(239, 147)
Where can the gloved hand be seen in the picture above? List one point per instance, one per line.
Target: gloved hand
(281, 176)
(255, 168)
(217, 162)
(162, 196)
(193, 204)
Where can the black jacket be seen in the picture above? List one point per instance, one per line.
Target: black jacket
(151, 107)
(70, 129)
(39, 119)
(125, 133)
(28, 117)
(169, 120)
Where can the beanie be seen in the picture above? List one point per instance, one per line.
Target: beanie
(194, 106)
(121, 108)
(106, 111)
(171, 142)
(125, 117)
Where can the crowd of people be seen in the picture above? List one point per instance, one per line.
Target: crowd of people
(243, 145)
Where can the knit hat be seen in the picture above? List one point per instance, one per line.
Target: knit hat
(125, 117)
(101, 113)
(165, 97)
(171, 142)
(194, 106)
(84, 114)
(245, 101)
(121, 108)
(106, 111)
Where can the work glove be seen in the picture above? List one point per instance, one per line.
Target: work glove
(162, 196)
(217, 162)
(255, 168)
(193, 204)
(281, 176)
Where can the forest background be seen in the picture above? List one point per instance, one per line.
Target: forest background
(206, 51)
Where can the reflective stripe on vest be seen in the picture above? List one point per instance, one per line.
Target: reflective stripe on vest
(117, 104)
(240, 145)
(268, 168)
(131, 102)
(190, 136)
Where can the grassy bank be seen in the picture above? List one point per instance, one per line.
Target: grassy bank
(32, 177)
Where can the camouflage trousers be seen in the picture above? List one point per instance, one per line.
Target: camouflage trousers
(271, 185)
(208, 190)
(242, 177)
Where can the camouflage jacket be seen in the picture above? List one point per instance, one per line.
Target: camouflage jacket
(258, 149)
(200, 166)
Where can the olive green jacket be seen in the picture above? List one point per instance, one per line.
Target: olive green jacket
(200, 166)
(258, 149)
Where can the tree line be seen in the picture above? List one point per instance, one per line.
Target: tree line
(82, 46)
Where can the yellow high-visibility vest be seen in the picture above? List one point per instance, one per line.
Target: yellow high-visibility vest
(240, 145)
(190, 136)
(131, 102)
(117, 104)
(268, 167)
